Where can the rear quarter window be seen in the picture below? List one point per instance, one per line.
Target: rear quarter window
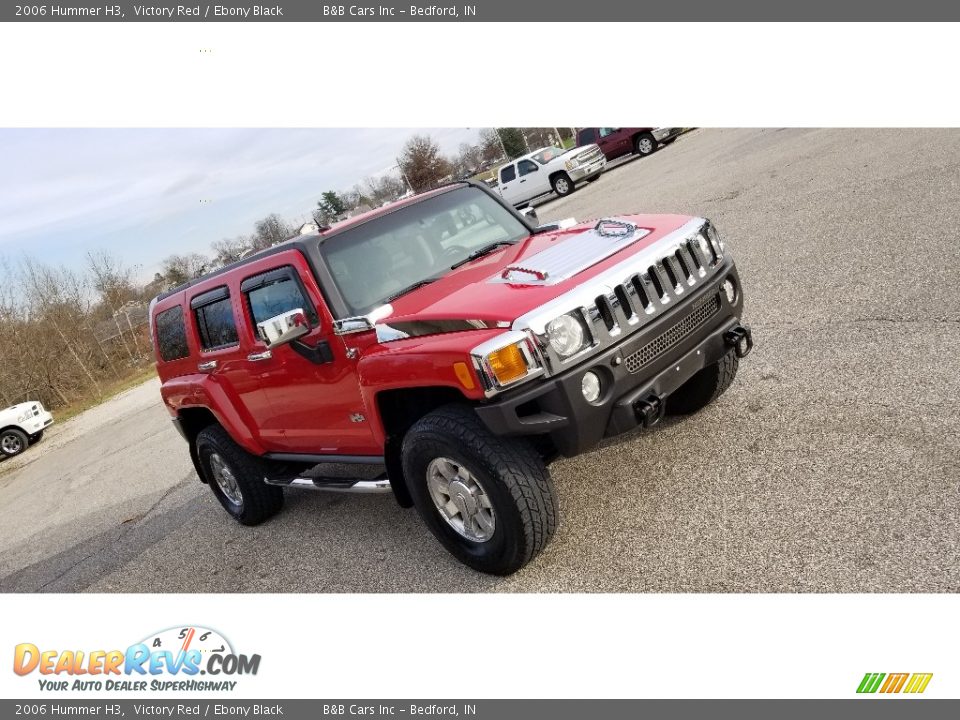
(171, 334)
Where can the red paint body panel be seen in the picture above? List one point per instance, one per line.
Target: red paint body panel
(288, 404)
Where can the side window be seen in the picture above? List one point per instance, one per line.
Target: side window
(587, 136)
(527, 167)
(605, 132)
(508, 173)
(215, 321)
(276, 292)
(171, 334)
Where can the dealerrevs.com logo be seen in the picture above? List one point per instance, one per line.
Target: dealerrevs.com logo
(172, 659)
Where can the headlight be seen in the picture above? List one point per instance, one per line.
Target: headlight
(567, 335)
(571, 164)
(505, 360)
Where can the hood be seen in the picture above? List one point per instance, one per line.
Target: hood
(495, 290)
(14, 411)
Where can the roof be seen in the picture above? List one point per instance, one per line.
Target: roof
(333, 231)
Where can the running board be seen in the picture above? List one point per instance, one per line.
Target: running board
(379, 484)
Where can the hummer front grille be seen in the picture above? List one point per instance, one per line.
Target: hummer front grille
(634, 293)
(705, 309)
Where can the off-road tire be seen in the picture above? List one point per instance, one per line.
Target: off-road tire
(36, 437)
(704, 387)
(555, 183)
(638, 144)
(260, 501)
(15, 439)
(511, 472)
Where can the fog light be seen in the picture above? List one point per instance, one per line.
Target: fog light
(590, 386)
(730, 289)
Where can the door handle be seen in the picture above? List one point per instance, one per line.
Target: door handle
(258, 356)
(523, 181)
(207, 366)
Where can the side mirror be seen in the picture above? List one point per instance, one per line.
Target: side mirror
(530, 214)
(284, 328)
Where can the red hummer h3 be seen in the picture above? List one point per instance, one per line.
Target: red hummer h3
(450, 344)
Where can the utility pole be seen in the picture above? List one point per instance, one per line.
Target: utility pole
(403, 175)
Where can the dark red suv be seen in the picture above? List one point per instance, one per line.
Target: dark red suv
(615, 142)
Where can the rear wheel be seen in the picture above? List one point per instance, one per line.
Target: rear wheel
(487, 499)
(13, 442)
(236, 477)
(704, 387)
(562, 184)
(645, 144)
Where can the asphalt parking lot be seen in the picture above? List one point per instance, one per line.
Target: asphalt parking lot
(831, 465)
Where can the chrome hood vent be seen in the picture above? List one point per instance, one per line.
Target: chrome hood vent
(574, 255)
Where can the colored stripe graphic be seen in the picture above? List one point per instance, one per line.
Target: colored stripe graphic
(894, 682)
(918, 683)
(870, 682)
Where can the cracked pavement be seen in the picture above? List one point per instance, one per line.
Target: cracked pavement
(831, 465)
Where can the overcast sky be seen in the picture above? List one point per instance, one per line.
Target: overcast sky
(144, 194)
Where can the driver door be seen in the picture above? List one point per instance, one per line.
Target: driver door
(314, 406)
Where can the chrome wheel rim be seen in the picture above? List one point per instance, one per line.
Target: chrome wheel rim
(461, 500)
(223, 476)
(645, 145)
(11, 444)
(562, 187)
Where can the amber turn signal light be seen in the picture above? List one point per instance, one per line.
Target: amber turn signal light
(507, 364)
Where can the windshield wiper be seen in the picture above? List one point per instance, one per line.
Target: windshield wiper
(486, 249)
(410, 288)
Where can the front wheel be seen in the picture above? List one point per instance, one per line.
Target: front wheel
(704, 387)
(562, 184)
(487, 499)
(236, 477)
(645, 144)
(13, 442)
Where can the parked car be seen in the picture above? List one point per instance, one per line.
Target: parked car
(456, 345)
(617, 142)
(22, 425)
(548, 169)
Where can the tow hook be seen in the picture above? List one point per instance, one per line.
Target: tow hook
(650, 410)
(740, 338)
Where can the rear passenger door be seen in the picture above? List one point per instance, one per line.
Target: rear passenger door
(213, 315)
(510, 187)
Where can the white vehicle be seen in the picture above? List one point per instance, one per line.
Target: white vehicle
(549, 169)
(22, 425)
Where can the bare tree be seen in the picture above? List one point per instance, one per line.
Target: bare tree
(269, 231)
(422, 163)
(178, 269)
(229, 250)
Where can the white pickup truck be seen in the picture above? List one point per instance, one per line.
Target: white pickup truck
(22, 425)
(548, 169)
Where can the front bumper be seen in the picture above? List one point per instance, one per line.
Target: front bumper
(556, 407)
(585, 171)
(662, 134)
(37, 423)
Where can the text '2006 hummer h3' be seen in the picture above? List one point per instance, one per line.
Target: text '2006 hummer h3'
(452, 343)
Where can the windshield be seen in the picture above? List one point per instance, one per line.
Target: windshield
(378, 259)
(548, 154)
